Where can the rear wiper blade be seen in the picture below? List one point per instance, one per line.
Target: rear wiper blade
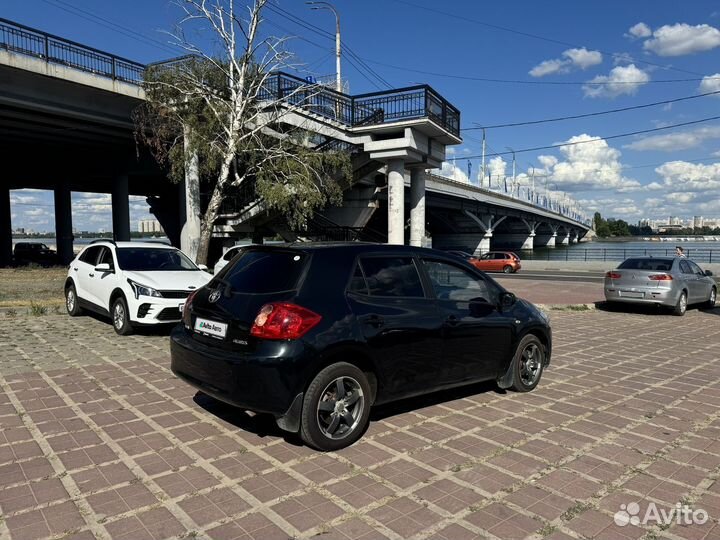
(227, 289)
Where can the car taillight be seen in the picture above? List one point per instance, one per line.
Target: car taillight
(660, 277)
(186, 319)
(280, 320)
(613, 275)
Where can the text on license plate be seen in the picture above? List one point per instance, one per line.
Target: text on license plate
(210, 328)
(632, 294)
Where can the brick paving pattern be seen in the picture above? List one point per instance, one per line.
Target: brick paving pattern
(99, 440)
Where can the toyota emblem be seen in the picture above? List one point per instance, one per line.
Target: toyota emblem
(214, 296)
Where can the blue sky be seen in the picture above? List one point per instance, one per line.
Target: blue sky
(623, 49)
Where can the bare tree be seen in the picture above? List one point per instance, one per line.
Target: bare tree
(214, 111)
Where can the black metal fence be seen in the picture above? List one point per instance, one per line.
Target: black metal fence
(701, 255)
(21, 39)
(366, 109)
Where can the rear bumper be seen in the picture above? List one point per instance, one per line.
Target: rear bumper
(265, 382)
(663, 297)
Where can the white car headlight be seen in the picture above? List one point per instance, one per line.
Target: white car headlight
(142, 290)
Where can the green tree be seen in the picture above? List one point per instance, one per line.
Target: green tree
(210, 113)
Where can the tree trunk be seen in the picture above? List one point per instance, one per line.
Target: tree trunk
(208, 221)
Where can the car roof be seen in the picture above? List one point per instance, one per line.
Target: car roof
(110, 243)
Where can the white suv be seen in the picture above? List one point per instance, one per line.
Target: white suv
(135, 283)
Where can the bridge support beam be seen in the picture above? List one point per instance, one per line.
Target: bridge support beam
(417, 207)
(190, 234)
(573, 237)
(5, 228)
(475, 243)
(545, 240)
(517, 240)
(396, 201)
(121, 209)
(564, 238)
(63, 224)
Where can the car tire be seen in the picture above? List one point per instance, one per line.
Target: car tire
(121, 317)
(527, 364)
(340, 422)
(72, 304)
(507, 269)
(681, 306)
(710, 304)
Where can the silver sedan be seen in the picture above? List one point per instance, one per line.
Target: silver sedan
(673, 282)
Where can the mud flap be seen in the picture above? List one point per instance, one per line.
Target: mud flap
(290, 421)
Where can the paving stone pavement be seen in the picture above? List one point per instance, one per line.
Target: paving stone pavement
(99, 440)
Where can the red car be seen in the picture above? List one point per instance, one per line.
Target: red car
(493, 261)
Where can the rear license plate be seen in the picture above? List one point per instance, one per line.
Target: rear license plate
(210, 328)
(632, 294)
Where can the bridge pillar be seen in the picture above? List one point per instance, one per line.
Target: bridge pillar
(396, 201)
(573, 237)
(5, 228)
(545, 240)
(63, 224)
(121, 209)
(529, 242)
(417, 207)
(564, 238)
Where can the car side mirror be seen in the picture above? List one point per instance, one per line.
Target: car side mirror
(479, 307)
(203, 267)
(507, 300)
(103, 267)
(708, 273)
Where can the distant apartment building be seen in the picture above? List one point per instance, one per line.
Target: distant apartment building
(698, 222)
(149, 226)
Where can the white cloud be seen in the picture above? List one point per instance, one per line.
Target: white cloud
(654, 186)
(496, 167)
(640, 30)
(682, 176)
(710, 83)
(681, 38)
(572, 59)
(589, 165)
(450, 170)
(621, 80)
(678, 197)
(671, 142)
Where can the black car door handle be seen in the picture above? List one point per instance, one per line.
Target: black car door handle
(91, 275)
(452, 320)
(373, 320)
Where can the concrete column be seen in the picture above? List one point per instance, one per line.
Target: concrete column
(63, 224)
(417, 207)
(551, 240)
(529, 242)
(5, 228)
(190, 234)
(484, 244)
(564, 238)
(121, 209)
(396, 201)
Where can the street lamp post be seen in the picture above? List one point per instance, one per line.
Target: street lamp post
(328, 6)
(513, 167)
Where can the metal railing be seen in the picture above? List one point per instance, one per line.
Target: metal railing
(701, 255)
(22, 39)
(375, 108)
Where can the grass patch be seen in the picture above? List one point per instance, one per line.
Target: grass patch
(37, 309)
(21, 287)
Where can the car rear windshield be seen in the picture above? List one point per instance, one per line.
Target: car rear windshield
(651, 264)
(262, 272)
(143, 259)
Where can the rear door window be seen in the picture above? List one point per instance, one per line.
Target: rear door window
(262, 272)
(451, 282)
(392, 276)
(685, 268)
(357, 283)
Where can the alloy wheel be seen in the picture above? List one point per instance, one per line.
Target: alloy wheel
(530, 364)
(119, 315)
(683, 303)
(340, 408)
(713, 297)
(70, 300)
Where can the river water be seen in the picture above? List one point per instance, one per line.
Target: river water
(701, 251)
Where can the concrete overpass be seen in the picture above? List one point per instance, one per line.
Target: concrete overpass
(66, 125)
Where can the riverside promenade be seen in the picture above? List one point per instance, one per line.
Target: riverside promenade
(98, 439)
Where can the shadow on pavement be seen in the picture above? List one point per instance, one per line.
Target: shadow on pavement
(262, 425)
(149, 330)
(647, 309)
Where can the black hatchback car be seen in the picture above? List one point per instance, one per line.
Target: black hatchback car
(316, 334)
